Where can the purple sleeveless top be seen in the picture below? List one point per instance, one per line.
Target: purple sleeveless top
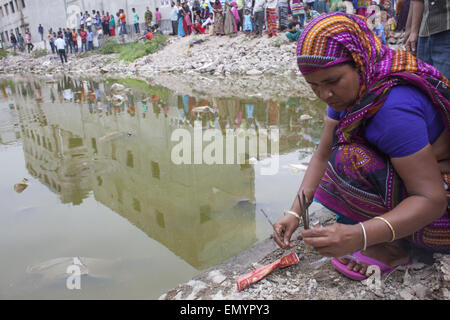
(405, 124)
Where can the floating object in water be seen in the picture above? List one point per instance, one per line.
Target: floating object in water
(117, 99)
(20, 187)
(203, 109)
(58, 268)
(114, 136)
(305, 117)
(263, 271)
(116, 87)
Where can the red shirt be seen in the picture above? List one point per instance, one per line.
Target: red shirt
(83, 35)
(149, 35)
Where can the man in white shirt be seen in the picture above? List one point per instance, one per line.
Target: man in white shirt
(89, 22)
(60, 45)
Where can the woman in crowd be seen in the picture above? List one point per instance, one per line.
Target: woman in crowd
(218, 18)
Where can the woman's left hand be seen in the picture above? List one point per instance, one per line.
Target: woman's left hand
(336, 240)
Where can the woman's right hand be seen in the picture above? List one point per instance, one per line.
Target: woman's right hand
(283, 230)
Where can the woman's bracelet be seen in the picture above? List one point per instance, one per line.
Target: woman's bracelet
(365, 236)
(295, 214)
(389, 225)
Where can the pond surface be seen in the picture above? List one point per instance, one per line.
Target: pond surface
(106, 191)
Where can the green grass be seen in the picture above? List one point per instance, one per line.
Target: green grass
(8, 51)
(131, 51)
(37, 53)
(3, 53)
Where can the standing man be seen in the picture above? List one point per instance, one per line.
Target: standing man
(123, 22)
(82, 20)
(90, 40)
(83, 36)
(428, 33)
(51, 40)
(258, 13)
(41, 31)
(75, 41)
(158, 17)
(174, 18)
(13, 41)
(136, 20)
(21, 41)
(148, 18)
(89, 22)
(60, 45)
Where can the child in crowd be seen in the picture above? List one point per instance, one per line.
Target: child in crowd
(293, 32)
(311, 14)
(248, 26)
(156, 30)
(148, 35)
(209, 24)
(90, 40)
(197, 27)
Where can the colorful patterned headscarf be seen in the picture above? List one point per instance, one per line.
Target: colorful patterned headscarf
(338, 37)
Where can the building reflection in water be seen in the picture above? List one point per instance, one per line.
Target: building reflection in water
(81, 138)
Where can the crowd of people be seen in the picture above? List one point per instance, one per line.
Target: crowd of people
(253, 17)
(216, 17)
(22, 43)
(219, 18)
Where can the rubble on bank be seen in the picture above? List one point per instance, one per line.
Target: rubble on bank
(222, 66)
(426, 278)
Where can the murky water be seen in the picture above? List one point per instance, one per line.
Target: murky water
(104, 186)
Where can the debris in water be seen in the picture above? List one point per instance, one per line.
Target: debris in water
(114, 136)
(305, 117)
(20, 187)
(203, 109)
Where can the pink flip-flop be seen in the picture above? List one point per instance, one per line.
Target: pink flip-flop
(342, 268)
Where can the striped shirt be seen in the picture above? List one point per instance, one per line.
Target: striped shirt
(298, 7)
(436, 17)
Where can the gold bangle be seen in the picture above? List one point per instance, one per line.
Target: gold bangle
(389, 225)
(295, 214)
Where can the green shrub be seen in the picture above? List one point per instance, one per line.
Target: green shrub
(3, 53)
(135, 50)
(37, 53)
(110, 46)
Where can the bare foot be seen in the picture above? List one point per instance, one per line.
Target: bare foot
(391, 254)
